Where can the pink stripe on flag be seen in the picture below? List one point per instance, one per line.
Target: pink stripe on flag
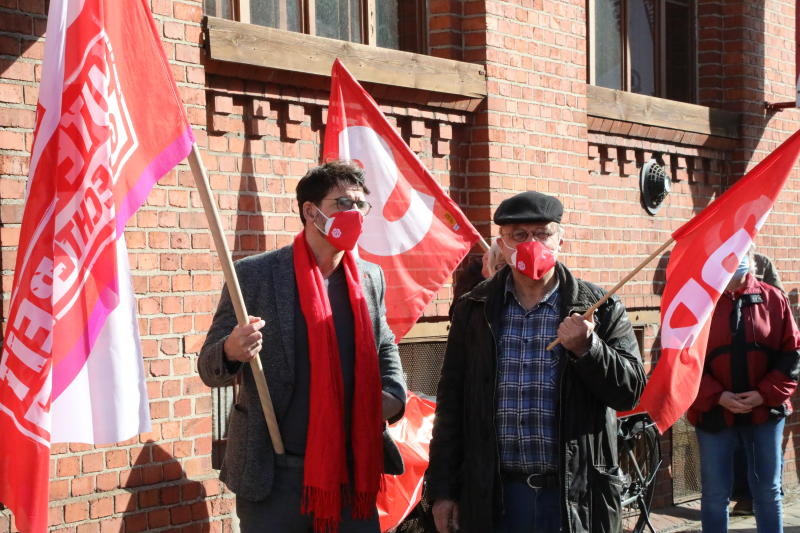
(163, 163)
(69, 367)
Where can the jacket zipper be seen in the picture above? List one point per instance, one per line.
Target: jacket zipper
(494, 412)
(561, 442)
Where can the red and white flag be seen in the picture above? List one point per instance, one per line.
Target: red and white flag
(415, 232)
(708, 248)
(412, 434)
(109, 124)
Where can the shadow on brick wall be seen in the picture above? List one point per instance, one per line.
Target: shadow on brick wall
(161, 496)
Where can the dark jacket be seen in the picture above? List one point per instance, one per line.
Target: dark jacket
(268, 286)
(769, 361)
(464, 451)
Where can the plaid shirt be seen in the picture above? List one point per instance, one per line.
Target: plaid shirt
(527, 385)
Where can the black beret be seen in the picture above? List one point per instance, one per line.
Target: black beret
(530, 206)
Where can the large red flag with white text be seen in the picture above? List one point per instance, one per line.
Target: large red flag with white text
(708, 248)
(414, 230)
(109, 124)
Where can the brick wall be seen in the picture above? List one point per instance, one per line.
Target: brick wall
(258, 137)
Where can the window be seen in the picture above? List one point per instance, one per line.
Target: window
(396, 24)
(643, 46)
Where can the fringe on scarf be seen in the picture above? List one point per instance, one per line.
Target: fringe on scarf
(326, 507)
(363, 505)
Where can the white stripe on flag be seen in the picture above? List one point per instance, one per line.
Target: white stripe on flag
(107, 400)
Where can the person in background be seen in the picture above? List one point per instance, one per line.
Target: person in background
(332, 367)
(750, 372)
(493, 260)
(524, 438)
(764, 271)
(474, 272)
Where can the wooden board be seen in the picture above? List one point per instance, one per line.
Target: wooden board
(294, 52)
(641, 109)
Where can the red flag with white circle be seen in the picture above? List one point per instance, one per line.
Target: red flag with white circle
(415, 232)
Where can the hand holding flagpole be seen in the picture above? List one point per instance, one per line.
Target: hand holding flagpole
(590, 313)
(201, 177)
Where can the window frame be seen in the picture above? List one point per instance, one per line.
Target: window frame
(409, 31)
(234, 47)
(660, 49)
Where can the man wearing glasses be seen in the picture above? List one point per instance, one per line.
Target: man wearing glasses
(525, 438)
(332, 367)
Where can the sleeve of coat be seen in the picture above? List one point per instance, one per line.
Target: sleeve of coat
(392, 380)
(612, 369)
(214, 368)
(446, 451)
(707, 394)
(781, 381)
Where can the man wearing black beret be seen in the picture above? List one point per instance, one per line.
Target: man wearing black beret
(524, 438)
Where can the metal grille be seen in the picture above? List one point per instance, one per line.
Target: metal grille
(422, 364)
(685, 463)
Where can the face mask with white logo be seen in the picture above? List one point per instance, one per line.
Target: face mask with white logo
(532, 258)
(343, 228)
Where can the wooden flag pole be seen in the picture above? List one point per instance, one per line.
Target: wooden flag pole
(201, 178)
(588, 314)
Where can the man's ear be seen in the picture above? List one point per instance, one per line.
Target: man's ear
(308, 210)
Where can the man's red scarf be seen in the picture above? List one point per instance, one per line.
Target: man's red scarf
(326, 478)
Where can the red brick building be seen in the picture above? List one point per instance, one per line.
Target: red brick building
(569, 97)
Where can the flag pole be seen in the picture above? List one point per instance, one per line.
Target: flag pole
(201, 178)
(588, 314)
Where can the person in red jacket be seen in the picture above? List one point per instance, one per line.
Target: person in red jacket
(751, 370)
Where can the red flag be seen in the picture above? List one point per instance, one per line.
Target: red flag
(414, 230)
(708, 248)
(109, 124)
(412, 434)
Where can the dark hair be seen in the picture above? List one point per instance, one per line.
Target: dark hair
(320, 180)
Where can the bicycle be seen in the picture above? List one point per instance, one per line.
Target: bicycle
(639, 459)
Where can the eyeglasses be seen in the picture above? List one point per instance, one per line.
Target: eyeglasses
(521, 235)
(345, 203)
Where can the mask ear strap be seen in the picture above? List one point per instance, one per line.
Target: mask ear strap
(328, 221)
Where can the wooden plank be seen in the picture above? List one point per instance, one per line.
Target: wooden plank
(641, 109)
(283, 16)
(371, 26)
(271, 48)
(640, 317)
(244, 11)
(310, 9)
(427, 331)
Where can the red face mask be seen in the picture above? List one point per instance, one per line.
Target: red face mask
(532, 259)
(343, 229)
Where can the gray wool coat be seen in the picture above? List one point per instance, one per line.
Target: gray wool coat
(269, 290)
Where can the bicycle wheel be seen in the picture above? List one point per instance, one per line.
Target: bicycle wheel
(640, 458)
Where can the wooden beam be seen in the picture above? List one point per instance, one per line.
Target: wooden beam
(426, 331)
(652, 111)
(244, 11)
(371, 26)
(260, 46)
